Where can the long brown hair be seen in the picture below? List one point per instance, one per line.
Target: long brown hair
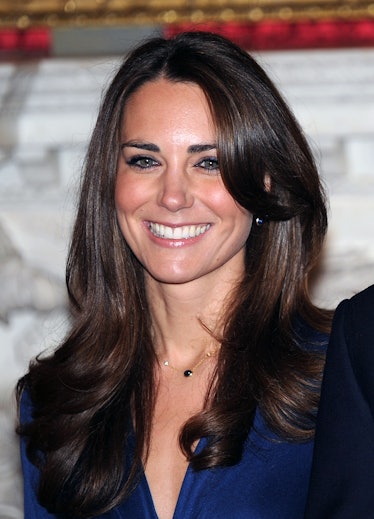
(86, 396)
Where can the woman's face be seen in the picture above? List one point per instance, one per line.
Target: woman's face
(172, 207)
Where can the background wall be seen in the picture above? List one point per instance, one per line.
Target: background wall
(47, 110)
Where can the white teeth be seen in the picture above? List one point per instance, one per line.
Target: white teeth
(167, 232)
(177, 233)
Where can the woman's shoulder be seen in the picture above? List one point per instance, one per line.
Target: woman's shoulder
(308, 337)
(25, 404)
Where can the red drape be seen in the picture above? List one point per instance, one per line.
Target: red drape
(269, 35)
(272, 35)
(25, 42)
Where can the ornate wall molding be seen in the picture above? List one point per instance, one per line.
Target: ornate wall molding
(52, 13)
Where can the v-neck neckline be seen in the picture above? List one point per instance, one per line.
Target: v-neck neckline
(180, 505)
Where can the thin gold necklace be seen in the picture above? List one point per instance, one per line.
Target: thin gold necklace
(189, 372)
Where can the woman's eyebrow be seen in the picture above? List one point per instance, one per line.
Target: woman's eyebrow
(147, 146)
(198, 148)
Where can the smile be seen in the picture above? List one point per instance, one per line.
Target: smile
(177, 233)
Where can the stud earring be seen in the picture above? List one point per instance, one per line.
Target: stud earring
(259, 221)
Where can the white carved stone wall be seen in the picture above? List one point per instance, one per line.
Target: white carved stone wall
(47, 110)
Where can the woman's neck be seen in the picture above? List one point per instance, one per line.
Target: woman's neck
(184, 321)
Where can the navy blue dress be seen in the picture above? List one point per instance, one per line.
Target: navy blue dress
(270, 482)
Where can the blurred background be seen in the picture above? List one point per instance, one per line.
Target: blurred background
(56, 56)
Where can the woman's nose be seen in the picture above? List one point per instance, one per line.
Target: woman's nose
(175, 191)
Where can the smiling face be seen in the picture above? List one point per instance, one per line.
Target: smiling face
(172, 207)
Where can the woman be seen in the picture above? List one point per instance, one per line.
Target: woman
(189, 382)
(342, 482)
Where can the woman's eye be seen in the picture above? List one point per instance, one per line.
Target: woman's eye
(142, 162)
(209, 164)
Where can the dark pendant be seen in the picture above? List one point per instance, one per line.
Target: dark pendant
(187, 373)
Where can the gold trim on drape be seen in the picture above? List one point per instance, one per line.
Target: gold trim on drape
(51, 13)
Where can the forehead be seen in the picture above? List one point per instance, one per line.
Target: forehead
(168, 106)
(158, 88)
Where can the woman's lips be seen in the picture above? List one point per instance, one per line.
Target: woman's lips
(183, 232)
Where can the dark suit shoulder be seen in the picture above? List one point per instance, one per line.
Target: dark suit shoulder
(357, 316)
(362, 307)
(342, 479)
